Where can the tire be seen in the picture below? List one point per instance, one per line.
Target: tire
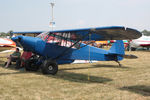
(49, 67)
(133, 49)
(30, 65)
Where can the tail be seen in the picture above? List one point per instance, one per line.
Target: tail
(117, 48)
(116, 52)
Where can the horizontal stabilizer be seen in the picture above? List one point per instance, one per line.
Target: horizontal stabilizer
(130, 56)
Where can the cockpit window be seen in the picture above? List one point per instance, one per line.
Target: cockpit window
(62, 39)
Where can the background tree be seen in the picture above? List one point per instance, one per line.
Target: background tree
(4, 34)
(145, 32)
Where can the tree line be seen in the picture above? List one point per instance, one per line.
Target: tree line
(146, 33)
(4, 34)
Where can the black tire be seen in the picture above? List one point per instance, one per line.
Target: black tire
(30, 65)
(133, 49)
(49, 67)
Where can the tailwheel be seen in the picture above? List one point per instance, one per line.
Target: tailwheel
(49, 67)
(30, 65)
(119, 64)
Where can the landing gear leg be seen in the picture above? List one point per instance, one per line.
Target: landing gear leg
(119, 64)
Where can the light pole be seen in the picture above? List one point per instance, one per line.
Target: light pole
(52, 20)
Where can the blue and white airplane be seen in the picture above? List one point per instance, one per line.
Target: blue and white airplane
(64, 46)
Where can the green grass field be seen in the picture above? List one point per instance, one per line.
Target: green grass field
(106, 81)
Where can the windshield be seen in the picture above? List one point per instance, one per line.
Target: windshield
(43, 35)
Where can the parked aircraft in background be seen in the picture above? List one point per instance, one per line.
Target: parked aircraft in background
(65, 46)
(6, 44)
(143, 41)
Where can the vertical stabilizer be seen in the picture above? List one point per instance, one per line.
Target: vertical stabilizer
(117, 48)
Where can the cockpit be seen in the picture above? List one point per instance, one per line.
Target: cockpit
(62, 39)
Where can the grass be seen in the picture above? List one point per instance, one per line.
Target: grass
(107, 81)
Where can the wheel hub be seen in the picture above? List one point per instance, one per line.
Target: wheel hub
(50, 67)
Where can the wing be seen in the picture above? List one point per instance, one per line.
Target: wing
(102, 33)
(34, 33)
(99, 33)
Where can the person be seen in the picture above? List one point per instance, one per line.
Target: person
(13, 57)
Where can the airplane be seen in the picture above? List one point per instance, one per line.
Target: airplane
(65, 46)
(6, 44)
(143, 41)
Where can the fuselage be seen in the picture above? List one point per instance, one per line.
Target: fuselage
(52, 50)
(143, 41)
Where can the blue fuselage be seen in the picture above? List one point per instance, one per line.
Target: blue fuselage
(65, 54)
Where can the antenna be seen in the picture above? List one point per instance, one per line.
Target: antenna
(52, 20)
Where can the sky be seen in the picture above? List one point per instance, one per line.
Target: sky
(35, 15)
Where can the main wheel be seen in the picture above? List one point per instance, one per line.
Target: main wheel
(49, 67)
(30, 65)
(133, 49)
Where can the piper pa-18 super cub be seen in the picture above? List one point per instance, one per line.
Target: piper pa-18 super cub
(64, 46)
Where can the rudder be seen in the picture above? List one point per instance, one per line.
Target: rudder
(117, 48)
